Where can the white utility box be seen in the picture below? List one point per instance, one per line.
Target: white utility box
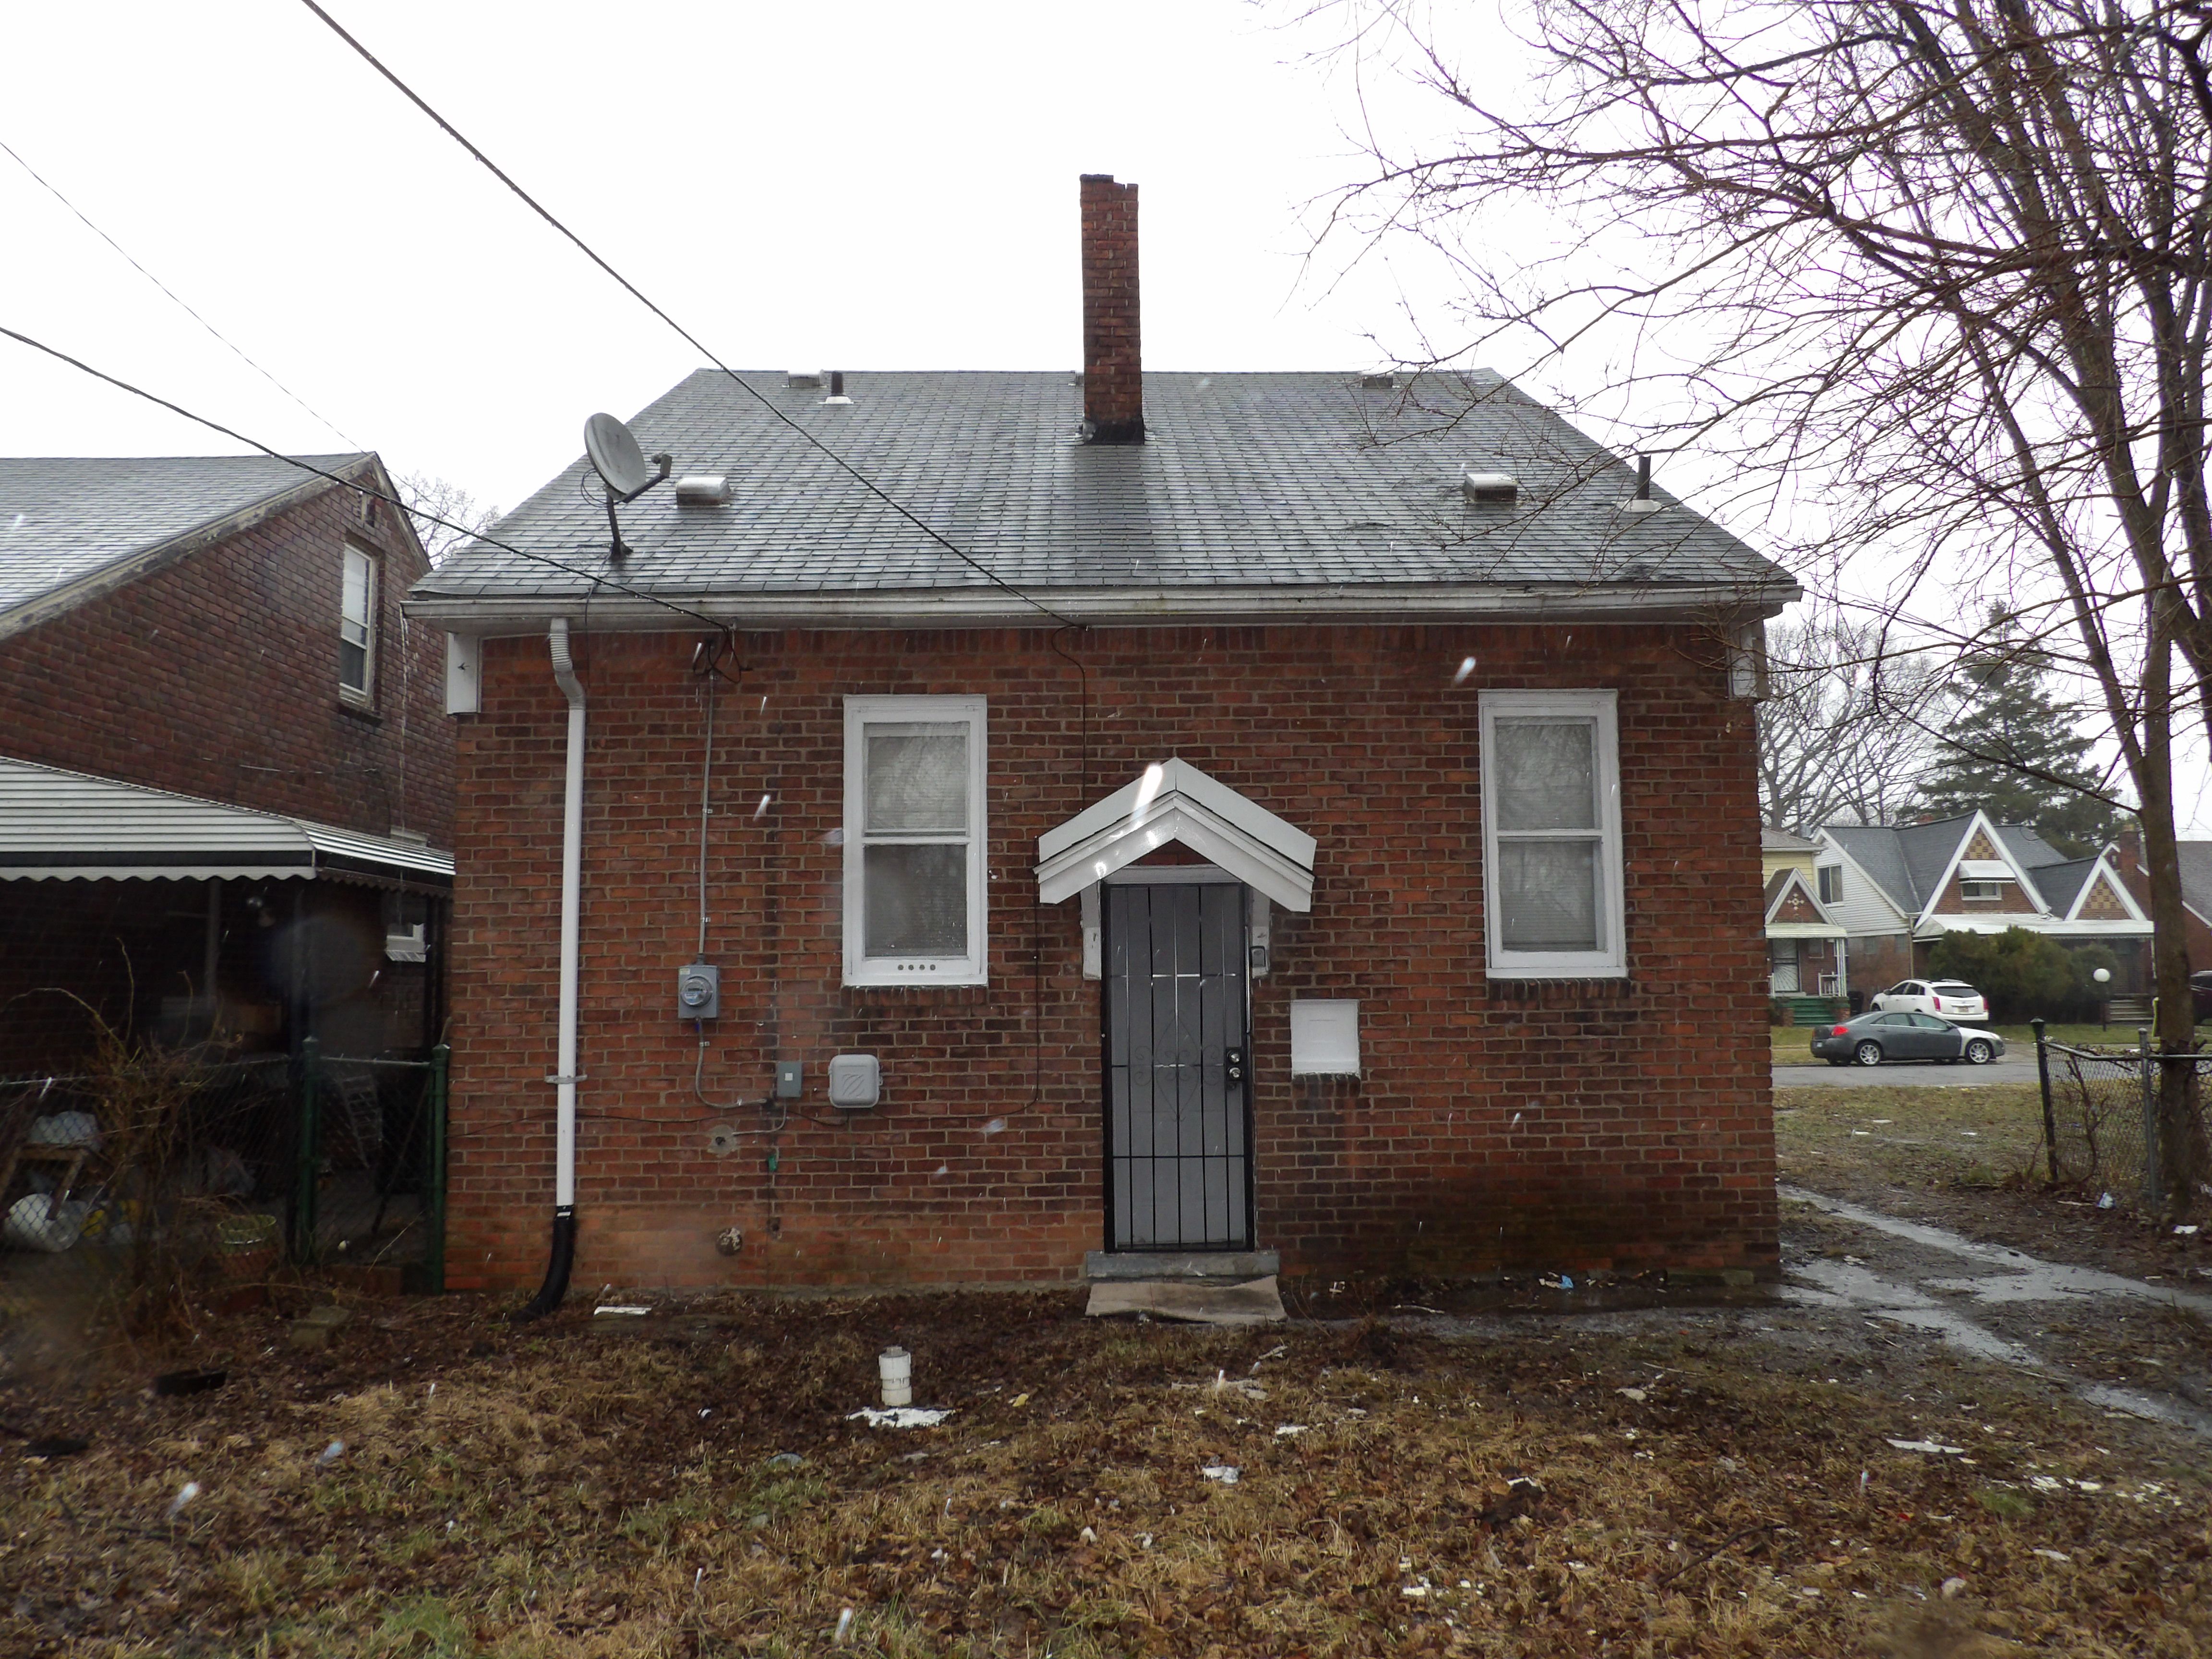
(855, 1081)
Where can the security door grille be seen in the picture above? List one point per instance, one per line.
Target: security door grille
(1178, 1127)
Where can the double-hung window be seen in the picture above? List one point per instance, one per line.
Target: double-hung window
(357, 626)
(915, 848)
(1551, 835)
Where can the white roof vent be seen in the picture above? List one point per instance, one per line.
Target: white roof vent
(702, 489)
(1382, 382)
(803, 380)
(1490, 489)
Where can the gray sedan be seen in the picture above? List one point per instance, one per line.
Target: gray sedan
(1877, 1036)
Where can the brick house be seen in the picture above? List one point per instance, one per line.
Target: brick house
(1899, 888)
(1806, 955)
(226, 779)
(1287, 827)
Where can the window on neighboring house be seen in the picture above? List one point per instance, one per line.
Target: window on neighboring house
(1831, 882)
(1551, 834)
(915, 843)
(1981, 889)
(357, 626)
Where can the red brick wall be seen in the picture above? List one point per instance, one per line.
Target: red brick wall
(1583, 1126)
(1879, 961)
(217, 676)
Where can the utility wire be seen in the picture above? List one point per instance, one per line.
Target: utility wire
(693, 340)
(240, 351)
(593, 577)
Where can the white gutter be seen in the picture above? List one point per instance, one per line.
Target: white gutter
(555, 1287)
(496, 614)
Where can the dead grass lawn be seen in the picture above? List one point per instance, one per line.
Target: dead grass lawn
(1661, 1484)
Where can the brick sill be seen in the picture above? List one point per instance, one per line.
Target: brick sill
(360, 711)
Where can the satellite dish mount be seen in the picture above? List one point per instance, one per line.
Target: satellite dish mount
(621, 466)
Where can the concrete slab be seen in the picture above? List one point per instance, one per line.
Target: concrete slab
(1256, 1302)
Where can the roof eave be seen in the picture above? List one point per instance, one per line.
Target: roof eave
(1122, 606)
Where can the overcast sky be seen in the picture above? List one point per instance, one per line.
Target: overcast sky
(854, 187)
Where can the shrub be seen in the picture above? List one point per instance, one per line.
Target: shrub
(2024, 975)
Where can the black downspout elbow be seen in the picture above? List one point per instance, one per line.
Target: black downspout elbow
(555, 1289)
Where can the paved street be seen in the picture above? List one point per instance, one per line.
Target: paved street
(2012, 1068)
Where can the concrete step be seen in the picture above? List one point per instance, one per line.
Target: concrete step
(1199, 1301)
(1235, 1267)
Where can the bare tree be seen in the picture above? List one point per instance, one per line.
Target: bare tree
(444, 514)
(1843, 732)
(1932, 275)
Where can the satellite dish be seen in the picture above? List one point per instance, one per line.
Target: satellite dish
(621, 466)
(615, 457)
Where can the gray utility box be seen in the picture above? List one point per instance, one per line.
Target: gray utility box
(856, 1081)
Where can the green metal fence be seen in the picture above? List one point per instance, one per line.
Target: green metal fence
(320, 1159)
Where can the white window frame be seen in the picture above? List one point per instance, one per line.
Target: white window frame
(365, 693)
(1610, 960)
(860, 969)
(1981, 888)
(1830, 882)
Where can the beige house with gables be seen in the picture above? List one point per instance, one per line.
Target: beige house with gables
(1897, 889)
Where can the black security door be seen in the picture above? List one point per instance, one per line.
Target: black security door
(1178, 1164)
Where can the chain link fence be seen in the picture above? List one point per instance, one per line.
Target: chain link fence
(160, 1175)
(2101, 1116)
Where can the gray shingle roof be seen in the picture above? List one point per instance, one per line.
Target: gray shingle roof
(1289, 487)
(2028, 847)
(2060, 883)
(2197, 875)
(1873, 847)
(66, 522)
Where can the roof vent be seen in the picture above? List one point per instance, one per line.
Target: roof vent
(702, 489)
(1490, 489)
(1642, 501)
(802, 380)
(1379, 382)
(837, 388)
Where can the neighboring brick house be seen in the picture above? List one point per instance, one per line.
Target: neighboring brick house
(1326, 824)
(1899, 888)
(1806, 957)
(226, 780)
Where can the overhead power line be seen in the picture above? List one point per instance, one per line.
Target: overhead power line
(693, 340)
(53, 190)
(592, 576)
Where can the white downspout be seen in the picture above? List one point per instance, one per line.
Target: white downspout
(572, 902)
(555, 1287)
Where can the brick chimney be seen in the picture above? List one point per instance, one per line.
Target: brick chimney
(1113, 378)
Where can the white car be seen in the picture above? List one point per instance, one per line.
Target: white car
(1949, 999)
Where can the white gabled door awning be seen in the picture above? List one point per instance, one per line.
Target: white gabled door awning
(1181, 804)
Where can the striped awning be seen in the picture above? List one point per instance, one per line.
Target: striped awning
(68, 826)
